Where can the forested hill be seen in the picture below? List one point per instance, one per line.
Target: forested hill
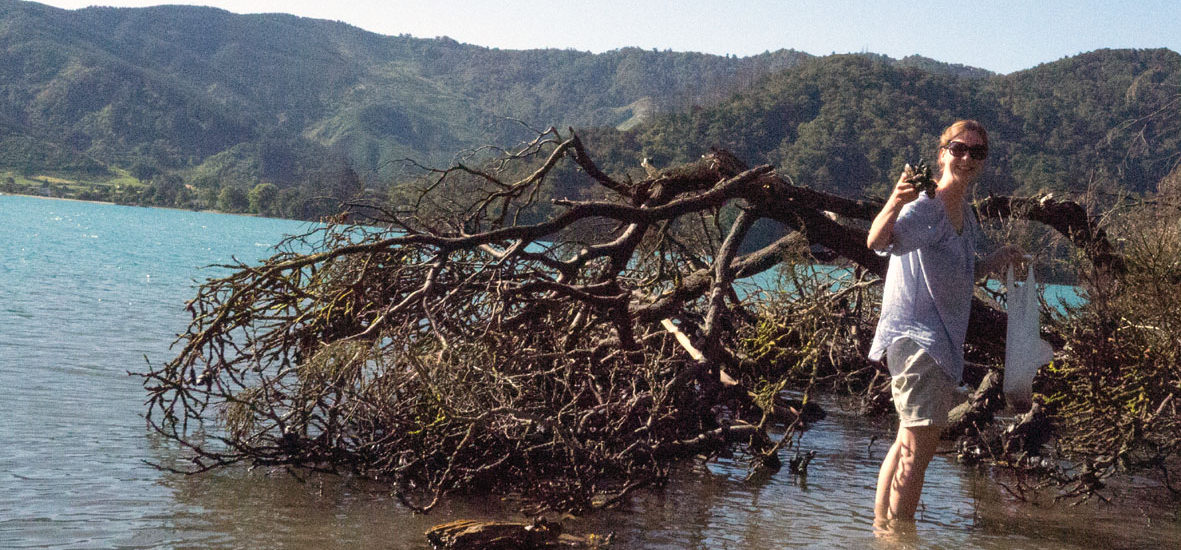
(174, 87)
(193, 106)
(847, 124)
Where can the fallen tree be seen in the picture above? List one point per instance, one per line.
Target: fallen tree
(463, 342)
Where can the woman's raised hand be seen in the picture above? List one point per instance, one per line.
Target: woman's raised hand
(904, 190)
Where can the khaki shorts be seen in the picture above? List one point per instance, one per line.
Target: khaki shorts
(923, 393)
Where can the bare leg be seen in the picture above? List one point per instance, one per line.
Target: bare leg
(881, 504)
(903, 472)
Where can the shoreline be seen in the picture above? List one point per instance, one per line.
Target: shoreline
(91, 201)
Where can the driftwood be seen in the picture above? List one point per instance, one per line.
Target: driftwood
(541, 534)
(1028, 433)
(978, 411)
(1067, 217)
(1017, 444)
(476, 345)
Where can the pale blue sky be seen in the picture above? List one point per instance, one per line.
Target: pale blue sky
(1002, 36)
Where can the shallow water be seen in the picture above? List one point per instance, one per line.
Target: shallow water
(88, 290)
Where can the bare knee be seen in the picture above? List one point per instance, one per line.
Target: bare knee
(916, 447)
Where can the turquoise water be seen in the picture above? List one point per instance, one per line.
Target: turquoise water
(88, 290)
(1058, 297)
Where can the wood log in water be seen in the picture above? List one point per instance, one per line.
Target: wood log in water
(979, 409)
(469, 534)
(1028, 433)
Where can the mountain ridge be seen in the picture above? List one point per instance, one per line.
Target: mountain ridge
(216, 100)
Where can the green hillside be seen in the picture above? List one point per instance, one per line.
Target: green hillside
(173, 105)
(847, 124)
(169, 88)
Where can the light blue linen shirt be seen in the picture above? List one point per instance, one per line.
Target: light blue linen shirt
(928, 289)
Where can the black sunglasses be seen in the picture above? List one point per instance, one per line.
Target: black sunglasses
(959, 148)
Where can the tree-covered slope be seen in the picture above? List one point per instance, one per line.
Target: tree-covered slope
(1108, 115)
(172, 86)
(848, 123)
(216, 100)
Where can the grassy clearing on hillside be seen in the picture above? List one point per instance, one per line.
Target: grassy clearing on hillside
(65, 186)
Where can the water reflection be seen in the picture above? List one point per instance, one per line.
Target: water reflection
(243, 508)
(1140, 516)
(895, 535)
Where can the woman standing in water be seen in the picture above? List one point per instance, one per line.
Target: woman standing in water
(931, 241)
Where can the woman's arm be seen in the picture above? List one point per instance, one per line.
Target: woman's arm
(999, 260)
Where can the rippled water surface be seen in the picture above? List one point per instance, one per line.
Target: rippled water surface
(88, 290)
